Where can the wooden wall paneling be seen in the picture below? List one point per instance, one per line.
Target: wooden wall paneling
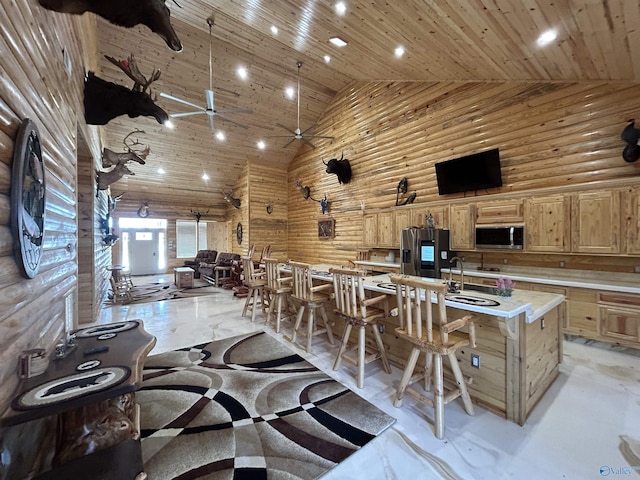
(240, 215)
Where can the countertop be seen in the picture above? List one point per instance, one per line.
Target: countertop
(371, 263)
(607, 281)
(532, 303)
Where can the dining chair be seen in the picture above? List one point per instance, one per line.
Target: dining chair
(278, 289)
(431, 332)
(310, 298)
(363, 313)
(256, 282)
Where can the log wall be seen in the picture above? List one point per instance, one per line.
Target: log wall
(34, 84)
(564, 135)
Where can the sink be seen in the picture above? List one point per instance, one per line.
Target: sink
(480, 288)
(471, 300)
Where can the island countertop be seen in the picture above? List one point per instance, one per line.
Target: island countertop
(532, 303)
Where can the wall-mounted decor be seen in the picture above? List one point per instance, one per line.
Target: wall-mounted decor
(306, 193)
(631, 135)
(231, 200)
(134, 153)
(341, 167)
(239, 233)
(403, 186)
(124, 13)
(28, 199)
(269, 209)
(143, 211)
(326, 228)
(104, 101)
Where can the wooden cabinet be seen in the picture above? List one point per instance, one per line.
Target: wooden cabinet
(440, 214)
(582, 313)
(382, 229)
(509, 212)
(595, 222)
(619, 317)
(631, 220)
(462, 227)
(548, 224)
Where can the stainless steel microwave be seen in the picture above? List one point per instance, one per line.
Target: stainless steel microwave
(507, 237)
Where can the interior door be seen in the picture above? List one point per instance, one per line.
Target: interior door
(144, 252)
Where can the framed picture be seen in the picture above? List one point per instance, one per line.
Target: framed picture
(326, 228)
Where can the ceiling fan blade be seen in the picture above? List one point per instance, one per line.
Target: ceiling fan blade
(235, 110)
(176, 99)
(287, 129)
(211, 125)
(231, 121)
(308, 143)
(186, 114)
(317, 136)
(209, 94)
(289, 142)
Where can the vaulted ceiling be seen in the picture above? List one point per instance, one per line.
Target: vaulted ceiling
(444, 40)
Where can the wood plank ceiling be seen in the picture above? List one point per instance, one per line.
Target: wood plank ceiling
(444, 40)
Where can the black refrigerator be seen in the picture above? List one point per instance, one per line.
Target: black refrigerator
(424, 251)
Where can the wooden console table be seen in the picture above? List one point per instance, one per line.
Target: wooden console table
(91, 391)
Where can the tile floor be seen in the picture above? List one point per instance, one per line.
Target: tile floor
(587, 426)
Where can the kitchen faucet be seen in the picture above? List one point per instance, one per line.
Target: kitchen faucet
(450, 282)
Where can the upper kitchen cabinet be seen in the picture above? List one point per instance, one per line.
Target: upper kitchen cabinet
(461, 235)
(440, 214)
(631, 220)
(548, 223)
(500, 212)
(595, 222)
(382, 229)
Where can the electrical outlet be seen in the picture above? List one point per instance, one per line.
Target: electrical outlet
(505, 261)
(475, 360)
(562, 264)
(542, 323)
(381, 328)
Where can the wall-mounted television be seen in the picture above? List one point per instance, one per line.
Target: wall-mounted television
(478, 171)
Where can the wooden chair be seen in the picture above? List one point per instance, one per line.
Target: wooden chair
(266, 253)
(414, 300)
(311, 298)
(255, 281)
(120, 290)
(278, 288)
(360, 312)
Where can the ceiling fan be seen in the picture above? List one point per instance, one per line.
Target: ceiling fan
(209, 108)
(297, 133)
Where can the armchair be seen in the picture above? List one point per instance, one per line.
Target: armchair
(204, 258)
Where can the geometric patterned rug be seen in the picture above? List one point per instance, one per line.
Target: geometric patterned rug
(158, 291)
(248, 407)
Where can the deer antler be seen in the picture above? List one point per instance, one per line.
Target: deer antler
(131, 146)
(130, 68)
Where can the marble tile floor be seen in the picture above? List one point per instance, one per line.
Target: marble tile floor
(588, 420)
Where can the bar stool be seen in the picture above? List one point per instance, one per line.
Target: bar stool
(255, 281)
(311, 298)
(414, 297)
(360, 312)
(279, 290)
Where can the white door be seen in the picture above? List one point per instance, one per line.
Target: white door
(144, 252)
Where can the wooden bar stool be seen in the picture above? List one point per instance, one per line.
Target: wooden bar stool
(360, 312)
(256, 282)
(311, 298)
(437, 341)
(279, 290)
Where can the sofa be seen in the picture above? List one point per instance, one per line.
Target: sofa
(221, 268)
(204, 258)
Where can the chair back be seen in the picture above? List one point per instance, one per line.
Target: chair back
(266, 253)
(251, 276)
(414, 301)
(302, 281)
(348, 286)
(274, 278)
(252, 250)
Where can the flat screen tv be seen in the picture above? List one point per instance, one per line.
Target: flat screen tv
(471, 172)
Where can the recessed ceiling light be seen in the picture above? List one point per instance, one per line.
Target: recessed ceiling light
(290, 92)
(274, 29)
(341, 8)
(169, 124)
(205, 177)
(220, 135)
(327, 59)
(338, 42)
(161, 171)
(546, 38)
(242, 73)
(399, 51)
(261, 145)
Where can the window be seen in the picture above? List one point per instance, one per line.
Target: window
(187, 237)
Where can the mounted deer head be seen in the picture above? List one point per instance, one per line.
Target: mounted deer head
(305, 191)
(119, 161)
(124, 13)
(233, 201)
